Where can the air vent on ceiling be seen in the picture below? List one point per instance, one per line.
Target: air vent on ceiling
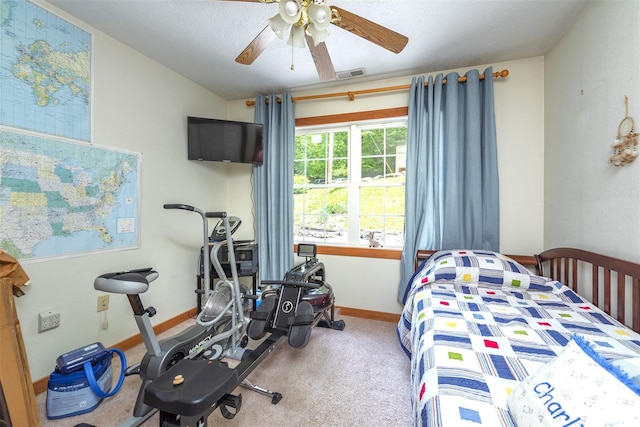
(351, 74)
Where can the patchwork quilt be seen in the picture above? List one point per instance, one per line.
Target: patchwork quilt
(476, 323)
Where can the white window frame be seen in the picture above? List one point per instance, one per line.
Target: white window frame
(355, 184)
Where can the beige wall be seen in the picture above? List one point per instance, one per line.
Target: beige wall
(589, 203)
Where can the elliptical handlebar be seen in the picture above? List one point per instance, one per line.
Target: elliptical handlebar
(205, 235)
(215, 215)
(210, 254)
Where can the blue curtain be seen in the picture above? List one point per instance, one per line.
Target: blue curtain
(451, 190)
(273, 186)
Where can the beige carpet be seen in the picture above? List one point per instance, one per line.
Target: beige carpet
(359, 376)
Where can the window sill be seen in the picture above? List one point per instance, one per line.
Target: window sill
(357, 251)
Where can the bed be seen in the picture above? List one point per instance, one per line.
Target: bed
(482, 329)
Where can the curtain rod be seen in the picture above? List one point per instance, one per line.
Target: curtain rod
(352, 94)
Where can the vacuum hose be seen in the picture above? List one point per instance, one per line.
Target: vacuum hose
(92, 379)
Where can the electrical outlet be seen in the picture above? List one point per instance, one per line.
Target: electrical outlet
(48, 320)
(103, 303)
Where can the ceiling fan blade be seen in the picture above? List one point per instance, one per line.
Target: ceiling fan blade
(256, 47)
(375, 33)
(321, 58)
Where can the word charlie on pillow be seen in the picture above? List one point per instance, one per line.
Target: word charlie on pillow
(577, 388)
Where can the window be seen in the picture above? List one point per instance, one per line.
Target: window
(348, 184)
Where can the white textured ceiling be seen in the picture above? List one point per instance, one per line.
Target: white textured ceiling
(200, 39)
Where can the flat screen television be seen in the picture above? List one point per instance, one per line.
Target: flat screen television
(224, 141)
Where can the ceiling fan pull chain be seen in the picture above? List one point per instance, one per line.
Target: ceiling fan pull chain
(292, 66)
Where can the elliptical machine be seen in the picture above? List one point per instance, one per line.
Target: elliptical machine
(221, 324)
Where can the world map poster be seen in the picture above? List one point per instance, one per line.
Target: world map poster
(45, 72)
(59, 195)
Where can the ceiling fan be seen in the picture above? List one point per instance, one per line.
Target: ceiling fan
(305, 22)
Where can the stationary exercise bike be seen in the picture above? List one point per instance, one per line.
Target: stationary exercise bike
(221, 324)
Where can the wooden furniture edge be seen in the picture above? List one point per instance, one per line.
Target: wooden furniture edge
(626, 267)
(613, 279)
(15, 375)
(41, 385)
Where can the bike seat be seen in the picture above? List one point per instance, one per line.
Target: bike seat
(126, 282)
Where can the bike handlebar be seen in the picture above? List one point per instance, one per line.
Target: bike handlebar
(179, 206)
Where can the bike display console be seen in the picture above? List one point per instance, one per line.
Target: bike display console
(246, 254)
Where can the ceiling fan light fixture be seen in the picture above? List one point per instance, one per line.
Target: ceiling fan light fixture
(296, 39)
(305, 23)
(279, 26)
(290, 11)
(319, 15)
(318, 35)
(295, 18)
